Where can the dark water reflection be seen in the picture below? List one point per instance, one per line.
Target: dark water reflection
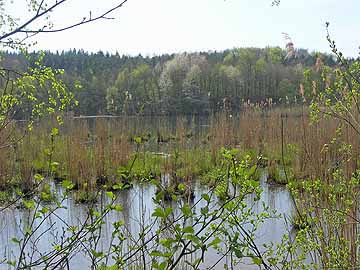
(138, 206)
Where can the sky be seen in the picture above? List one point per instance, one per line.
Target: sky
(153, 27)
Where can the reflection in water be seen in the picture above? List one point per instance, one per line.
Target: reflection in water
(137, 208)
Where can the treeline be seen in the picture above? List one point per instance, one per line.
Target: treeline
(188, 83)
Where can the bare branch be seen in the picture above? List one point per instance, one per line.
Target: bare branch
(40, 13)
(39, 8)
(30, 21)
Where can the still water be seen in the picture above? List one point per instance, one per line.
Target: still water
(138, 206)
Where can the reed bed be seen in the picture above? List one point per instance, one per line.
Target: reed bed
(102, 153)
(96, 152)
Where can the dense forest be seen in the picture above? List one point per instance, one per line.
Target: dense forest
(188, 83)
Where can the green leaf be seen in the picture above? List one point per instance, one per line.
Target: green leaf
(118, 208)
(215, 242)
(192, 238)
(29, 204)
(38, 177)
(167, 242)
(206, 197)
(97, 254)
(168, 211)
(188, 229)
(162, 265)
(54, 165)
(44, 210)
(118, 186)
(238, 253)
(15, 240)
(156, 253)
(252, 170)
(181, 187)
(110, 195)
(67, 184)
(54, 132)
(204, 210)
(257, 261)
(47, 151)
(12, 263)
(138, 140)
(186, 210)
(158, 212)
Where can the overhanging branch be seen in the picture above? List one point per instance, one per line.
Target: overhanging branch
(41, 12)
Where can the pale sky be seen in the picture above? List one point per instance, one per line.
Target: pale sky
(168, 26)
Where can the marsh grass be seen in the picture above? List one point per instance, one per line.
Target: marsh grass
(91, 153)
(25, 154)
(80, 159)
(100, 145)
(314, 160)
(6, 168)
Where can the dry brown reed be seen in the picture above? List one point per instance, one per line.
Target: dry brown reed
(6, 169)
(6, 159)
(25, 154)
(87, 153)
(181, 131)
(285, 136)
(221, 134)
(79, 158)
(100, 147)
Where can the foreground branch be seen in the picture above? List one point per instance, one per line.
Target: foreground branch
(40, 13)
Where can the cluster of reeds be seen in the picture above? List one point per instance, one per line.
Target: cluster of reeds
(97, 152)
(6, 168)
(93, 156)
(319, 158)
(80, 169)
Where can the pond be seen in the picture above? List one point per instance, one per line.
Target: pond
(138, 206)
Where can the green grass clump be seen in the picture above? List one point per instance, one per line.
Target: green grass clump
(277, 174)
(5, 196)
(175, 191)
(85, 197)
(146, 167)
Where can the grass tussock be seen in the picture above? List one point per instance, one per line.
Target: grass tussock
(108, 152)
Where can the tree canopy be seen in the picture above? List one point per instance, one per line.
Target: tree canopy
(188, 83)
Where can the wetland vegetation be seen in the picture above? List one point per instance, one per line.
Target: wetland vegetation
(244, 158)
(227, 155)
